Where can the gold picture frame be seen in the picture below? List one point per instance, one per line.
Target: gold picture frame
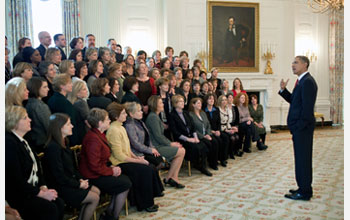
(233, 33)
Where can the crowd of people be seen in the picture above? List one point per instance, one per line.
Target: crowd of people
(133, 116)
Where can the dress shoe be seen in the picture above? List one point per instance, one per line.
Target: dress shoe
(106, 216)
(247, 150)
(232, 156)
(173, 183)
(206, 172)
(297, 196)
(214, 167)
(240, 153)
(161, 194)
(153, 208)
(262, 146)
(223, 164)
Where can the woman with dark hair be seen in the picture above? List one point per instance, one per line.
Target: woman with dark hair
(196, 90)
(140, 142)
(204, 89)
(257, 112)
(76, 44)
(172, 84)
(157, 56)
(213, 116)
(104, 54)
(39, 112)
(178, 75)
(147, 86)
(95, 71)
(47, 71)
(165, 63)
(130, 65)
(237, 87)
(233, 120)
(99, 88)
(61, 172)
(76, 55)
(202, 127)
(115, 71)
(188, 75)
(145, 180)
(172, 151)
(163, 92)
(196, 77)
(95, 154)
(150, 63)
(25, 186)
(183, 132)
(22, 43)
(185, 88)
(114, 89)
(32, 56)
(58, 103)
(130, 86)
(81, 71)
(246, 123)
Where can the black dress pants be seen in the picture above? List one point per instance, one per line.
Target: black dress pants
(213, 147)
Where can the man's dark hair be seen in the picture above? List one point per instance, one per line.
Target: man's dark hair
(142, 52)
(89, 35)
(55, 38)
(232, 18)
(109, 40)
(305, 59)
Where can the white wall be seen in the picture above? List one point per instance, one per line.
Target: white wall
(182, 24)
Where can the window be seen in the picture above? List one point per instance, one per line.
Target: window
(47, 16)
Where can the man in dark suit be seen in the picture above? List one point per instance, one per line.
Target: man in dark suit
(236, 37)
(301, 123)
(60, 42)
(89, 42)
(45, 42)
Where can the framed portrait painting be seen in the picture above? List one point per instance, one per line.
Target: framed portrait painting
(233, 36)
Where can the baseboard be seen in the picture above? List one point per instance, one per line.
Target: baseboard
(285, 127)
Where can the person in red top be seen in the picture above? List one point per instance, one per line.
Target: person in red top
(95, 155)
(237, 87)
(147, 87)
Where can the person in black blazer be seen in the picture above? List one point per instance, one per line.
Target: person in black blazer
(62, 173)
(58, 103)
(301, 123)
(60, 42)
(99, 88)
(183, 132)
(25, 187)
(45, 42)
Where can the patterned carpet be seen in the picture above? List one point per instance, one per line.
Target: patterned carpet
(252, 187)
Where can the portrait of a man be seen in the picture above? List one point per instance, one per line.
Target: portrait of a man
(233, 36)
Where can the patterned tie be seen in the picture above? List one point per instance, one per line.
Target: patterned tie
(33, 178)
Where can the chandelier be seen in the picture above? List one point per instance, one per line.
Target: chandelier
(322, 6)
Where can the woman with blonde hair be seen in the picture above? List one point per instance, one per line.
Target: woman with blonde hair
(16, 92)
(24, 70)
(54, 55)
(145, 180)
(246, 124)
(67, 66)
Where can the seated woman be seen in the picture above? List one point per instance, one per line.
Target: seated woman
(81, 71)
(95, 71)
(213, 116)
(184, 90)
(76, 55)
(225, 88)
(99, 88)
(33, 57)
(115, 71)
(16, 92)
(196, 91)
(25, 187)
(61, 171)
(130, 87)
(202, 127)
(39, 112)
(94, 157)
(47, 71)
(78, 98)
(204, 89)
(24, 70)
(246, 123)
(183, 132)
(145, 180)
(67, 66)
(91, 54)
(54, 55)
(257, 113)
(140, 142)
(114, 89)
(227, 126)
(233, 119)
(130, 65)
(237, 87)
(58, 103)
(172, 151)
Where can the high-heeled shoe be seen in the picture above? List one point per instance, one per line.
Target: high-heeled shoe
(153, 208)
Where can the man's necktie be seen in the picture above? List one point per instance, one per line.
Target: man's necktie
(296, 83)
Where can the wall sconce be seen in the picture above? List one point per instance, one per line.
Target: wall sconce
(268, 55)
(311, 55)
